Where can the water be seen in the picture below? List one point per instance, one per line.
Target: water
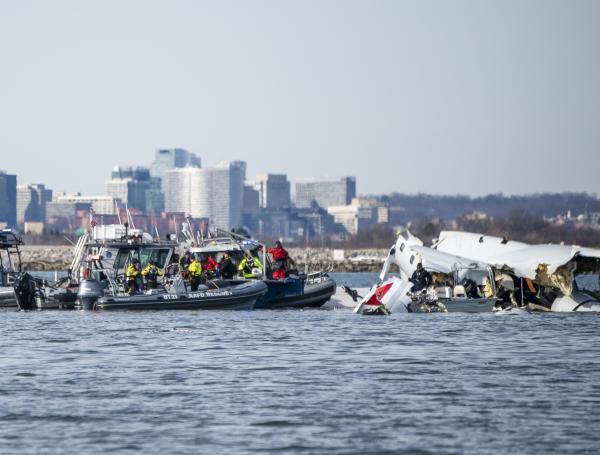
(298, 382)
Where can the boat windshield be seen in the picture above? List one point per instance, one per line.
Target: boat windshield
(145, 254)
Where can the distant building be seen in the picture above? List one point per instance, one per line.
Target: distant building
(228, 193)
(8, 199)
(325, 191)
(273, 190)
(251, 201)
(31, 203)
(68, 204)
(130, 184)
(169, 159)
(215, 193)
(354, 217)
(292, 224)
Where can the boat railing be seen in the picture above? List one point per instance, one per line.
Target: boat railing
(317, 277)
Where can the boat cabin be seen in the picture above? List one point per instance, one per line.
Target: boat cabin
(10, 257)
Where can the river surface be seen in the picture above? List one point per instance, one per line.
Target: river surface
(310, 381)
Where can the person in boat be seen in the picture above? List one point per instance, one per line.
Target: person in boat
(184, 263)
(280, 260)
(151, 273)
(421, 278)
(471, 289)
(131, 275)
(195, 273)
(250, 267)
(227, 268)
(209, 266)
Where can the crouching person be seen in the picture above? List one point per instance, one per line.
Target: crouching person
(250, 267)
(151, 274)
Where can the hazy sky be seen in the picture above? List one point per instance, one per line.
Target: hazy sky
(444, 96)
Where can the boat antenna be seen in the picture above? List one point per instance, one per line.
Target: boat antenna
(176, 230)
(129, 217)
(118, 211)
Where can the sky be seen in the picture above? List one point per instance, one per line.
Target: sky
(444, 97)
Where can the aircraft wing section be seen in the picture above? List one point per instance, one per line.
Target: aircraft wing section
(443, 262)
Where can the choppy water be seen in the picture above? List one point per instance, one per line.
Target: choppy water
(298, 382)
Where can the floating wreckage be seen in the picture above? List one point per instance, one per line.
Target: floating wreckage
(469, 272)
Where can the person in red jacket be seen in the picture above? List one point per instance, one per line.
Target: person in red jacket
(280, 260)
(209, 266)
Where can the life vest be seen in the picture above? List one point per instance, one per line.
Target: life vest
(195, 269)
(152, 272)
(132, 272)
(247, 265)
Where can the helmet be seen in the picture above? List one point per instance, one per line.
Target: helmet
(256, 272)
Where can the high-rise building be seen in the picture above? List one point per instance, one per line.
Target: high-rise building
(135, 186)
(31, 203)
(8, 199)
(215, 193)
(68, 203)
(169, 159)
(228, 193)
(325, 191)
(189, 191)
(274, 190)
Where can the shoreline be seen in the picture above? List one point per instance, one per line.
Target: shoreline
(59, 257)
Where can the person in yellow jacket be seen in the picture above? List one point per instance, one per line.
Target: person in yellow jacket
(195, 272)
(151, 272)
(250, 267)
(131, 276)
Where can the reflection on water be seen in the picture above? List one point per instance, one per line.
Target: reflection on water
(298, 382)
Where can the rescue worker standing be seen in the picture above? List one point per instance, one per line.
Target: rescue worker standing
(280, 260)
(248, 266)
(195, 272)
(151, 272)
(421, 279)
(184, 263)
(131, 275)
(226, 268)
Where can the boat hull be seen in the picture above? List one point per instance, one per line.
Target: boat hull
(240, 297)
(281, 295)
(469, 305)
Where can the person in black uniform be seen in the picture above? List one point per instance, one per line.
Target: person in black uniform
(421, 279)
(227, 269)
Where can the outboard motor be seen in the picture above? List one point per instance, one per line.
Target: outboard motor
(88, 294)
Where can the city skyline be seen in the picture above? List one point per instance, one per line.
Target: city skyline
(398, 94)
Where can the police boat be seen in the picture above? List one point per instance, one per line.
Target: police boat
(297, 290)
(208, 296)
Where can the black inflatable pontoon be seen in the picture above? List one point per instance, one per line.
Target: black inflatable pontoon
(242, 296)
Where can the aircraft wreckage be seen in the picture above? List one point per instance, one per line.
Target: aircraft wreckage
(471, 272)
